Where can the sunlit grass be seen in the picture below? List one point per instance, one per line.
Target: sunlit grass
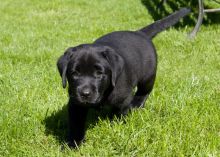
(181, 117)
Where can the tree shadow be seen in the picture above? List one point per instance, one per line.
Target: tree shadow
(57, 123)
(159, 10)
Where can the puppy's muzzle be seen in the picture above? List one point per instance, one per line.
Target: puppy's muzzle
(85, 93)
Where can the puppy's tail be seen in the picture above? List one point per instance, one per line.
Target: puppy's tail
(153, 29)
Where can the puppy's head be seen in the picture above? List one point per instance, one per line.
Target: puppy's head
(90, 71)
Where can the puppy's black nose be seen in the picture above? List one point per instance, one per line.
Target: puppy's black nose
(86, 92)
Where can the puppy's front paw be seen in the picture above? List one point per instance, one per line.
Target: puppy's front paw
(75, 143)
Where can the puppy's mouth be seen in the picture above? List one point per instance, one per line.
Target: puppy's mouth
(92, 102)
(89, 102)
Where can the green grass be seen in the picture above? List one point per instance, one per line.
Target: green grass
(181, 117)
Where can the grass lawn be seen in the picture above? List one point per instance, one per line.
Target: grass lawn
(181, 116)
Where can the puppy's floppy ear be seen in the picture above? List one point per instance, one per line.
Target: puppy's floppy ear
(63, 62)
(116, 63)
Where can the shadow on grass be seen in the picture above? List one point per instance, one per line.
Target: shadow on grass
(57, 123)
(158, 10)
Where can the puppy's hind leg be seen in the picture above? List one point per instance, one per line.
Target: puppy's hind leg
(143, 90)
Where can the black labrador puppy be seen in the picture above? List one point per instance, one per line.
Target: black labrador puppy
(107, 71)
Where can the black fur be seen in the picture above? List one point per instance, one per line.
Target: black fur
(107, 71)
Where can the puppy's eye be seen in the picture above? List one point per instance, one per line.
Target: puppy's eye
(75, 73)
(98, 67)
(99, 73)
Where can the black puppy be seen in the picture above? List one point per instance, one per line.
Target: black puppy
(107, 71)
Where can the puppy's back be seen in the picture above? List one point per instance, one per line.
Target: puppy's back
(137, 51)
